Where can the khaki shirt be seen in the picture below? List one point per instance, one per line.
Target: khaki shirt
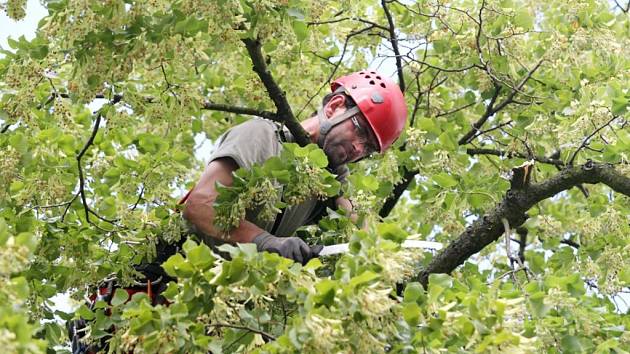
(254, 142)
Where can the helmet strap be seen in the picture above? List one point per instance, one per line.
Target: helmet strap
(325, 124)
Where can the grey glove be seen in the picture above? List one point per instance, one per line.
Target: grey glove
(288, 247)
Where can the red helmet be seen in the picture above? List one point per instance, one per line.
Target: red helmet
(381, 102)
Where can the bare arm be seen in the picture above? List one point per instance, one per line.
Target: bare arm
(347, 206)
(199, 205)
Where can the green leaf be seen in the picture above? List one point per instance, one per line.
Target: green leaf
(85, 313)
(363, 278)
(413, 292)
(445, 180)
(300, 29)
(537, 304)
(523, 19)
(620, 105)
(325, 292)
(200, 257)
(120, 297)
(391, 231)
(318, 158)
(16, 186)
(411, 313)
(296, 13)
(177, 266)
(571, 344)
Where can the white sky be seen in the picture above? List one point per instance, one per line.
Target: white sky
(26, 27)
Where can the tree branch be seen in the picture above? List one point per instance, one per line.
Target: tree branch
(570, 242)
(588, 138)
(513, 208)
(394, 41)
(390, 203)
(265, 335)
(467, 138)
(277, 95)
(491, 109)
(624, 9)
(79, 157)
(242, 110)
(510, 154)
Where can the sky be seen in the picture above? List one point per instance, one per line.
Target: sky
(25, 27)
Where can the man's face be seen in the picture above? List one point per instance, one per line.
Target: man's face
(350, 141)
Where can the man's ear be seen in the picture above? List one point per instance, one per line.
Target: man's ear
(337, 102)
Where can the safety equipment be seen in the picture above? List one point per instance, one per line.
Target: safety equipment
(288, 247)
(381, 102)
(378, 98)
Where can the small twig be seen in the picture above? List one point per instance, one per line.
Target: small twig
(336, 66)
(455, 110)
(624, 9)
(467, 138)
(63, 216)
(253, 330)
(139, 198)
(587, 139)
(241, 110)
(571, 243)
(481, 132)
(113, 222)
(5, 128)
(79, 157)
(511, 154)
(456, 70)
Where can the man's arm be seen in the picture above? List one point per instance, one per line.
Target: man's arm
(200, 212)
(345, 204)
(199, 205)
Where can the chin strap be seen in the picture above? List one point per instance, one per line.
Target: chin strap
(325, 124)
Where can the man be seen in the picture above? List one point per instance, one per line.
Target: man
(365, 113)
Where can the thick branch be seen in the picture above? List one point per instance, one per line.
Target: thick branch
(390, 203)
(275, 92)
(394, 41)
(513, 208)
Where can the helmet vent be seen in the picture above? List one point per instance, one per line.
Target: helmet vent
(373, 72)
(367, 76)
(361, 73)
(378, 77)
(372, 82)
(383, 85)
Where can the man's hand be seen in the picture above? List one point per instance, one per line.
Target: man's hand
(289, 247)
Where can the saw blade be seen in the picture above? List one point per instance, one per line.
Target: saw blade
(343, 247)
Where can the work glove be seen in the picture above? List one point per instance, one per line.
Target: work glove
(288, 247)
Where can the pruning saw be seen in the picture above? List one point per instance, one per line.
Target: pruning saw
(343, 247)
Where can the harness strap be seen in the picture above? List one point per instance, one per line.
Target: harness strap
(325, 124)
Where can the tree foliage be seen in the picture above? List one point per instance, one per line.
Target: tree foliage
(516, 157)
